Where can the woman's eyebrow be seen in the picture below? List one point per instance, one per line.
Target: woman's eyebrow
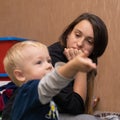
(79, 31)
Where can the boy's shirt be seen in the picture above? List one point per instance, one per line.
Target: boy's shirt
(29, 106)
(33, 99)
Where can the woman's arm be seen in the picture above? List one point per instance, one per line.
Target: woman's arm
(80, 82)
(80, 85)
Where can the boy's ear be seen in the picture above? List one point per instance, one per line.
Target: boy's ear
(19, 75)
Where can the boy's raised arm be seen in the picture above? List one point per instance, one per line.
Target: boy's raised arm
(79, 63)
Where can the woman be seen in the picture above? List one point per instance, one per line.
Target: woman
(87, 34)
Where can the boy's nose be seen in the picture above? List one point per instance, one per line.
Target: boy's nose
(49, 66)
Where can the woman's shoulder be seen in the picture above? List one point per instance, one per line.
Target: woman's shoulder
(56, 53)
(55, 45)
(56, 48)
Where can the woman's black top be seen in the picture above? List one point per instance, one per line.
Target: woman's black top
(67, 100)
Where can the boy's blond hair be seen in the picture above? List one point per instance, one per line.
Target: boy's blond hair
(14, 56)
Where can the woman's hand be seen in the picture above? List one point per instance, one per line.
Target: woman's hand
(70, 53)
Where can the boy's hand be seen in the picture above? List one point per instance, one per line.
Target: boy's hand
(79, 63)
(84, 63)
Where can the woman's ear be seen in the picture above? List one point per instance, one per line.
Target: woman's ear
(19, 75)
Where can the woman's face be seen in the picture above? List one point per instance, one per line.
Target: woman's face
(82, 37)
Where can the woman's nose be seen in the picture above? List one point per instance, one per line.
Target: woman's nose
(80, 42)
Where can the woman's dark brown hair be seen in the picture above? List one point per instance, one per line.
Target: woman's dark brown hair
(99, 29)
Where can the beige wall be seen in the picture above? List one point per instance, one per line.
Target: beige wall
(45, 20)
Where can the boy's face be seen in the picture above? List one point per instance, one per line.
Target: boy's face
(36, 64)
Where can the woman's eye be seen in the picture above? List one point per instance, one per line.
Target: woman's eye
(77, 35)
(39, 62)
(90, 41)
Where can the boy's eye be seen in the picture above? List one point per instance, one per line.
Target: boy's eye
(49, 61)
